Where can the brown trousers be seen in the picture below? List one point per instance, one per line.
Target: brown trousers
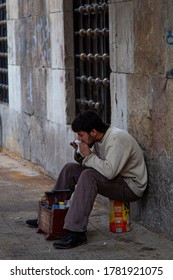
(89, 184)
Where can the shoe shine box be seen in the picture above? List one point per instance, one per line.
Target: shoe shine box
(51, 218)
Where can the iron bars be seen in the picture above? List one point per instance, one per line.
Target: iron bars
(91, 44)
(3, 53)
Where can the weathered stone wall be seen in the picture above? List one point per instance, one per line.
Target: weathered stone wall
(35, 124)
(142, 47)
(41, 95)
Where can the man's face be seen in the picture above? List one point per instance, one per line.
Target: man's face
(87, 138)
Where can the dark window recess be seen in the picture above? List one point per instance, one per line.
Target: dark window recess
(3, 53)
(91, 47)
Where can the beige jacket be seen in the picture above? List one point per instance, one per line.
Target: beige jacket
(119, 153)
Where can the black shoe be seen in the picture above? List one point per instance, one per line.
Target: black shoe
(71, 240)
(32, 223)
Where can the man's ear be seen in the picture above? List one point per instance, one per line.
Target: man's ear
(93, 132)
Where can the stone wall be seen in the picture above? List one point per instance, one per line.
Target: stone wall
(142, 47)
(35, 124)
(41, 96)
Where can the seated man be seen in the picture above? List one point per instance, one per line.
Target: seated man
(110, 163)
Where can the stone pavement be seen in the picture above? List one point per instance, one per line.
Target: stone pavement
(20, 188)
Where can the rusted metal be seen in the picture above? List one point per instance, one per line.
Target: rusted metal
(3, 70)
(3, 4)
(3, 22)
(3, 39)
(3, 54)
(4, 87)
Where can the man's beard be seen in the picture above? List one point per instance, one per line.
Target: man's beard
(91, 141)
(91, 144)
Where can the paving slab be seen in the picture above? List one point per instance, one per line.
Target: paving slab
(20, 190)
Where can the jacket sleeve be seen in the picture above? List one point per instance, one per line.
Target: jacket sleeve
(115, 160)
(78, 158)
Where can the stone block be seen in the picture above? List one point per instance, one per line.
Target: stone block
(56, 96)
(150, 122)
(4, 126)
(157, 202)
(56, 144)
(38, 136)
(12, 141)
(56, 6)
(68, 40)
(41, 45)
(23, 135)
(149, 43)
(57, 40)
(70, 101)
(14, 80)
(119, 100)
(34, 91)
(40, 7)
(15, 132)
(167, 30)
(12, 9)
(139, 104)
(121, 37)
(68, 6)
(27, 77)
(24, 43)
(12, 26)
(70, 136)
(162, 121)
(39, 92)
(25, 8)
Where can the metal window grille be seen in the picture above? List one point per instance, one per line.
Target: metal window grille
(91, 47)
(3, 53)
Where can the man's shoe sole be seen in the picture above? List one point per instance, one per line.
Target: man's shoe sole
(32, 223)
(71, 240)
(67, 246)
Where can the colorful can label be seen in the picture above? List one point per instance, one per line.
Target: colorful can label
(119, 216)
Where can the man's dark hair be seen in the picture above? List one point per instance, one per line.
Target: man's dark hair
(88, 120)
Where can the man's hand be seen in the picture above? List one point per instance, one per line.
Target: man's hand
(74, 145)
(84, 149)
